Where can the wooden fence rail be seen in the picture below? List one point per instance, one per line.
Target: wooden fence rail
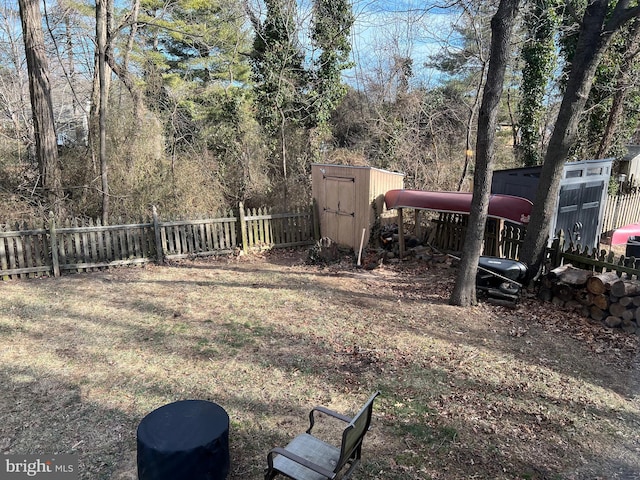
(77, 245)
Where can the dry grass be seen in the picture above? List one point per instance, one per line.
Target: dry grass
(482, 393)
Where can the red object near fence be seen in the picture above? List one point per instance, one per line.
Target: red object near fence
(508, 207)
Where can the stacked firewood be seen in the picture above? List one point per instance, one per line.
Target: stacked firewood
(604, 297)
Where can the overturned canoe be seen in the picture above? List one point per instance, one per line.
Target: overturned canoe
(507, 207)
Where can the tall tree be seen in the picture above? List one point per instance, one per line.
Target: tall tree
(278, 68)
(331, 34)
(102, 39)
(600, 20)
(41, 103)
(468, 68)
(539, 56)
(611, 112)
(464, 292)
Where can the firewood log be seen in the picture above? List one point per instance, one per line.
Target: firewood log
(629, 314)
(546, 282)
(601, 300)
(601, 282)
(556, 272)
(582, 296)
(623, 288)
(629, 326)
(545, 294)
(617, 309)
(570, 275)
(596, 313)
(626, 301)
(612, 321)
(563, 291)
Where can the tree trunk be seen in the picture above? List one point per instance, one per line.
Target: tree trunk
(41, 104)
(122, 71)
(468, 153)
(101, 39)
(464, 292)
(593, 39)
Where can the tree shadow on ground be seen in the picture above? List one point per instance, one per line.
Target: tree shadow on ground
(330, 368)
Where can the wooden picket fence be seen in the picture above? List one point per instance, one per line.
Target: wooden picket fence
(263, 228)
(621, 210)
(84, 245)
(562, 252)
(501, 239)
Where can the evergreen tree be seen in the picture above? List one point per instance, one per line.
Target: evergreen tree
(278, 68)
(296, 92)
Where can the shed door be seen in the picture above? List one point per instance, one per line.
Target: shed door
(579, 212)
(339, 211)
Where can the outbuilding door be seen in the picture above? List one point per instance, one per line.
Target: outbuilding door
(579, 212)
(339, 211)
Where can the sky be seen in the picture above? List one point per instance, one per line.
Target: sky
(386, 29)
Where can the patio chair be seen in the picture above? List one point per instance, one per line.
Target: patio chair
(308, 458)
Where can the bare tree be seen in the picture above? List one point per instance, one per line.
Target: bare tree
(478, 38)
(41, 104)
(14, 83)
(464, 293)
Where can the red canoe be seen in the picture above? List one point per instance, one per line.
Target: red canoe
(507, 207)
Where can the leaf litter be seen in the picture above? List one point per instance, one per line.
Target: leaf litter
(487, 392)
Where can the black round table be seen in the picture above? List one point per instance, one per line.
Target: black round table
(185, 440)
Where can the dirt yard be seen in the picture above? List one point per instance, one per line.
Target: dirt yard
(481, 393)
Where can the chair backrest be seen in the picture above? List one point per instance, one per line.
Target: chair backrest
(355, 431)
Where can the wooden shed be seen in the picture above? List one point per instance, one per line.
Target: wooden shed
(344, 197)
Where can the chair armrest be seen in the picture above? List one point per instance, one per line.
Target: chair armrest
(299, 460)
(326, 411)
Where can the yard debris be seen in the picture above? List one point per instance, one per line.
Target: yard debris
(324, 252)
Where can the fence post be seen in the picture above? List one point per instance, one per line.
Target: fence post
(55, 262)
(401, 232)
(558, 245)
(3, 256)
(243, 229)
(315, 218)
(156, 229)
